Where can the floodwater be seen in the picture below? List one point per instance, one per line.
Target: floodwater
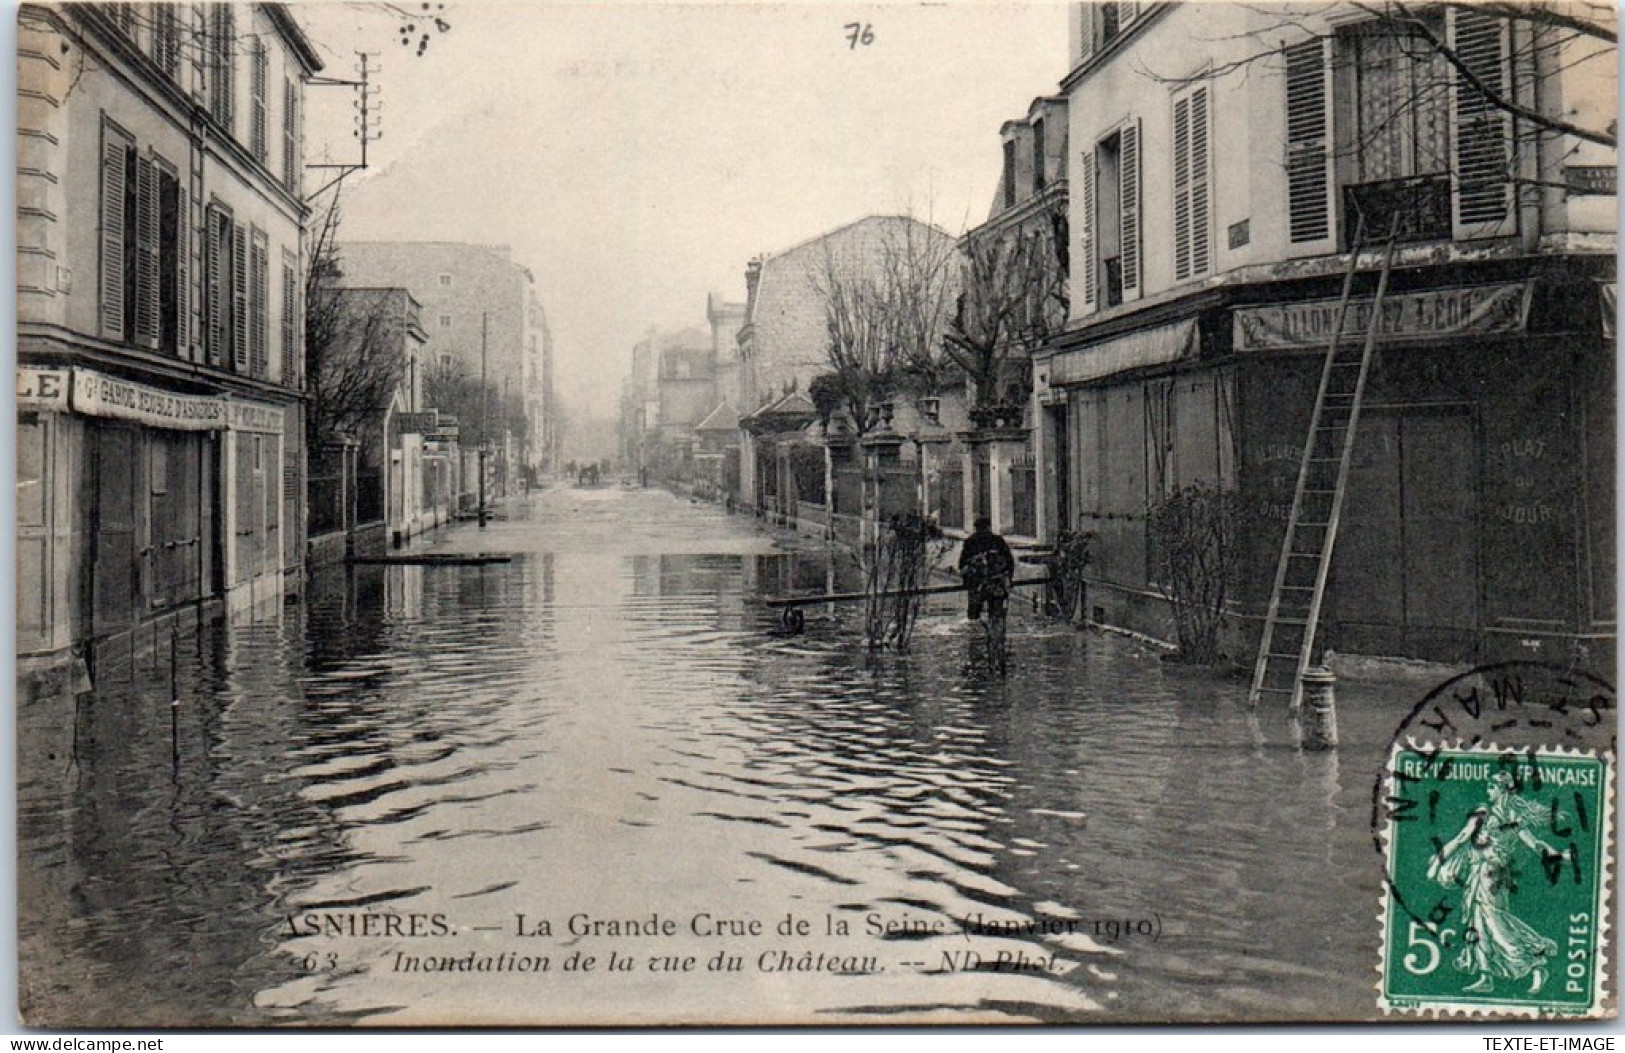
(595, 785)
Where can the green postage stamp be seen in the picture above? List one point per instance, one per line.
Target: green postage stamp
(1498, 882)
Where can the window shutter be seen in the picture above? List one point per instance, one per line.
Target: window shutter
(198, 51)
(1193, 221)
(222, 54)
(1482, 131)
(166, 38)
(258, 295)
(214, 253)
(239, 298)
(115, 146)
(1086, 261)
(257, 123)
(1308, 142)
(1129, 206)
(146, 253)
(1182, 190)
(183, 289)
(290, 136)
(290, 322)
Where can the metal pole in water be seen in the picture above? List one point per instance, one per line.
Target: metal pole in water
(483, 439)
(174, 700)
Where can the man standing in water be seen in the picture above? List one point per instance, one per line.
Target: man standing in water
(983, 557)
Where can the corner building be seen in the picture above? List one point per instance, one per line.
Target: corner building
(1224, 161)
(160, 331)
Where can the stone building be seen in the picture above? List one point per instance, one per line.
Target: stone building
(474, 295)
(160, 337)
(1224, 164)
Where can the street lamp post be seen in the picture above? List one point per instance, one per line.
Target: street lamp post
(485, 441)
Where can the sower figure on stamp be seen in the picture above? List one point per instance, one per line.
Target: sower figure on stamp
(983, 559)
(1481, 861)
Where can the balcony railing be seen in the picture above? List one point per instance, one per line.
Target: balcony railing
(1414, 209)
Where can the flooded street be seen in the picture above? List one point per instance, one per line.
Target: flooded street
(603, 750)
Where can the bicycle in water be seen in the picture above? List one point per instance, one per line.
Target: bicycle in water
(987, 579)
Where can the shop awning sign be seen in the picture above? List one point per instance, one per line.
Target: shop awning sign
(1140, 349)
(98, 395)
(254, 416)
(1440, 314)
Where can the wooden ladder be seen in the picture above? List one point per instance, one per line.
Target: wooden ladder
(1287, 647)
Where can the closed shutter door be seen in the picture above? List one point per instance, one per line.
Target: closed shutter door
(1483, 131)
(1086, 231)
(115, 154)
(1308, 144)
(1129, 203)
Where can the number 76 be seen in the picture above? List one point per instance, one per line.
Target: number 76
(859, 33)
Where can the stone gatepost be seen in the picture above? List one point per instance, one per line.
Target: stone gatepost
(997, 448)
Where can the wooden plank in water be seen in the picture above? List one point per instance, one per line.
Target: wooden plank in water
(431, 559)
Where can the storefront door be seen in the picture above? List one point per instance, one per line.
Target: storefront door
(174, 471)
(119, 557)
(1404, 577)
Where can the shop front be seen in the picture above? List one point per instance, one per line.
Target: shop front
(136, 503)
(1477, 521)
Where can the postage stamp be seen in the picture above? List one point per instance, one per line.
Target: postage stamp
(1498, 881)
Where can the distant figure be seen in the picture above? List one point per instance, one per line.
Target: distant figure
(983, 557)
(643, 477)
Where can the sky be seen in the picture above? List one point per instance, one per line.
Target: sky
(636, 155)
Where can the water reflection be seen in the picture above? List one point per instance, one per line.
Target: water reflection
(602, 725)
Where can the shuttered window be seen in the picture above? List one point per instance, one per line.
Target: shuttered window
(1129, 204)
(117, 148)
(1308, 142)
(291, 154)
(258, 82)
(1483, 131)
(1086, 262)
(239, 298)
(258, 306)
(1193, 168)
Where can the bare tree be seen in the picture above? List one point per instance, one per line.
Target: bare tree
(885, 306)
(1013, 299)
(482, 416)
(353, 364)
